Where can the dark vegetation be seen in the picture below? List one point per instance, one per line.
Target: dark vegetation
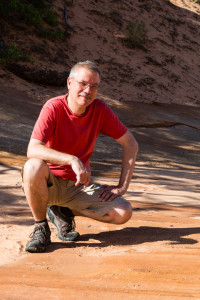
(136, 34)
(38, 14)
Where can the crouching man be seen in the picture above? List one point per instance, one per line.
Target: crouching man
(57, 175)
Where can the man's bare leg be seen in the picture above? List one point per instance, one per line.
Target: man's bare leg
(35, 176)
(118, 215)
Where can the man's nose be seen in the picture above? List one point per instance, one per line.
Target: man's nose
(87, 88)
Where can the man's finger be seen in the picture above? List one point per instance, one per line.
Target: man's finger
(78, 180)
(86, 183)
(103, 191)
(113, 196)
(106, 196)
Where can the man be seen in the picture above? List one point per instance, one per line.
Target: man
(57, 173)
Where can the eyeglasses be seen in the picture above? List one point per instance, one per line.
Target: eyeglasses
(84, 85)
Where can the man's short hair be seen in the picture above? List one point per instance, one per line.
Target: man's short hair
(85, 64)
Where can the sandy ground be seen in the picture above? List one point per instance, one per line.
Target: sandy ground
(154, 256)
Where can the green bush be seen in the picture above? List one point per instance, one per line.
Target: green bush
(50, 17)
(4, 9)
(13, 53)
(136, 34)
(51, 34)
(32, 12)
(38, 3)
(30, 15)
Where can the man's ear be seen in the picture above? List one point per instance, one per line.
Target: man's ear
(69, 80)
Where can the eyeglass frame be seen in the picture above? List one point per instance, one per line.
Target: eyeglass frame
(85, 85)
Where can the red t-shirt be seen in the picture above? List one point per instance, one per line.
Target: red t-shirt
(64, 131)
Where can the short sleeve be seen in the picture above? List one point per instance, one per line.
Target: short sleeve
(112, 126)
(45, 124)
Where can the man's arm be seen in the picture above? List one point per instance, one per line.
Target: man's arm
(130, 149)
(37, 149)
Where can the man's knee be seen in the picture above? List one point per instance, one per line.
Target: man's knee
(122, 213)
(35, 167)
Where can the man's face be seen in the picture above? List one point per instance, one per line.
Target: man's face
(83, 88)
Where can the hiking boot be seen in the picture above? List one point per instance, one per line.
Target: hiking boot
(40, 238)
(63, 219)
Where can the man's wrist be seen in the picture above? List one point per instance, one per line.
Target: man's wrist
(73, 159)
(122, 188)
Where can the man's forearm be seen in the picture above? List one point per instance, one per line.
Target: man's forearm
(39, 150)
(128, 164)
(130, 150)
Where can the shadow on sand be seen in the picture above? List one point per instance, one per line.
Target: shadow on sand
(131, 236)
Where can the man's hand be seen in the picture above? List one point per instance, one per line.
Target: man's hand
(37, 149)
(83, 174)
(110, 192)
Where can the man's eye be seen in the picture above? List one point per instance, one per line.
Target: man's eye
(85, 85)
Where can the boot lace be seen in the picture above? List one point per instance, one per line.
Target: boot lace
(39, 233)
(67, 227)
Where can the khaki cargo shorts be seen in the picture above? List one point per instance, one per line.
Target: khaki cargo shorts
(65, 193)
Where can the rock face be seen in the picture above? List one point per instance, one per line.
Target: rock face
(168, 135)
(41, 76)
(164, 69)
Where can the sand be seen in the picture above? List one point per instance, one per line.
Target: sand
(153, 256)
